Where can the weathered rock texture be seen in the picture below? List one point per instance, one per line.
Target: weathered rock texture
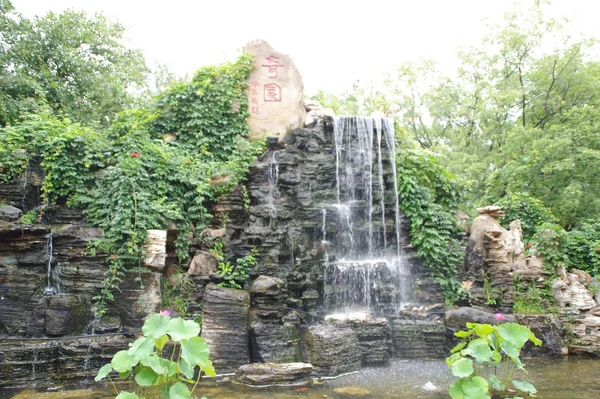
(489, 259)
(47, 363)
(275, 93)
(273, 374)
(225, 327)
(419, 338)
(549, 329)
(274, 337)
(373, 335)
(332, 351)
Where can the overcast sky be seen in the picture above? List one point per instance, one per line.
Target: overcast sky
(332, 42)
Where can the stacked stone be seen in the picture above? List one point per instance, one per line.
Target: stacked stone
(274, 338)
(419, 339)
(271, 374)
(225, 327)
(332, 351)
(373, 335)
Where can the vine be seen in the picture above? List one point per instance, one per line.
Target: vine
(429, 197)
(132, 178)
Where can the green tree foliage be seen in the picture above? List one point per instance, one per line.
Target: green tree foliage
(74, 64)
(130, 179)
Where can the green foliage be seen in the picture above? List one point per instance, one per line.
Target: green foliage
(177, 293)
(583, 247)
(486, 359)
(529, 210)
(145, 365)
(29, 217)
(70, 63)
(549, 242)
(210, 111)
(531, 299)
(429, 196)
(130, 179)
(236, 275)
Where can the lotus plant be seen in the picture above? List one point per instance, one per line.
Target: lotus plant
(145, 364)
(486, 360)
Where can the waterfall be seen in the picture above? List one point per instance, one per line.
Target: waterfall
(364, 270)
(50, 290)
(272, 179)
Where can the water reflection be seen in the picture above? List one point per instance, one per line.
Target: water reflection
(574, 378)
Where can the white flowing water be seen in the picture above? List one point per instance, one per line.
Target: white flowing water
(50, 288)
(364, 270)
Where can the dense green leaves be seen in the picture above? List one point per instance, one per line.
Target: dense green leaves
(70, 63)
(168, 374)
(486, 358)
(429, 196)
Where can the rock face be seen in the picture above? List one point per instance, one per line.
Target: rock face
(274, 338)
(373, 335)
(225, 327)
(419, 339)
(275, 93)
(272, 374)
(549, 329)
(10, 213)
(332, 351)
(31, 363)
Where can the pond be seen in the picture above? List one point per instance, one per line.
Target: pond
(574, 378)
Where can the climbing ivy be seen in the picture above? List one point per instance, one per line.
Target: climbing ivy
(131, 178)
(429, 196)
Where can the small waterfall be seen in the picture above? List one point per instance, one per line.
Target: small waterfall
(365, 270)
(272, 179)
(50, 289)
(33, 367)
(324, 225)
(24, 197)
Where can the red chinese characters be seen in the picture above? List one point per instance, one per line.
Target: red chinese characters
(272, 92)
(254, 108)
(273, 66)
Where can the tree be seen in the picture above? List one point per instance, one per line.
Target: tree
(75, 64)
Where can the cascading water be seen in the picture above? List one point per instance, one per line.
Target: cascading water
(50, 289)
(272, 178)
(364, 270)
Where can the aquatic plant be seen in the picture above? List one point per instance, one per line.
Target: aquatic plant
(168, 355)
(486, 360)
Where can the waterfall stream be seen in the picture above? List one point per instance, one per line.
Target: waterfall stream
(50, 289)
(364, 269)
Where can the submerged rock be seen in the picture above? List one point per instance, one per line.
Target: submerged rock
(274, 375)
(352, 393)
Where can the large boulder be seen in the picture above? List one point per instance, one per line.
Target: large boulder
(275, 93)
(225, 326)
(274, 375)
(373, 335)
(332, 351)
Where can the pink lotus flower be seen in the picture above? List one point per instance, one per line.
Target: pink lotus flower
(165, 313)
(499, 316)
(135, 154)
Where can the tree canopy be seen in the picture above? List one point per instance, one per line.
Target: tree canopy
(70, 63)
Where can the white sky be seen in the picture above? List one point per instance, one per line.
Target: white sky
(333, 42)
